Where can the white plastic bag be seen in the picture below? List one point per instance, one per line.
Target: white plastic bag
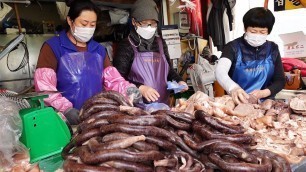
(12, 151)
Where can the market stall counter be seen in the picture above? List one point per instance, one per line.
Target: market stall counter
(198, 134)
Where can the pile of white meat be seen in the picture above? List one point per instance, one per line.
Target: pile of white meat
(277, 126)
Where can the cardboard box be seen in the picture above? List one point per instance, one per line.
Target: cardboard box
(294, 44)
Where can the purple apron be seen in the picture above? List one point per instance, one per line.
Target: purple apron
(151, 69)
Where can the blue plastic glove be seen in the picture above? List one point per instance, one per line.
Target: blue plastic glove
(175, 86)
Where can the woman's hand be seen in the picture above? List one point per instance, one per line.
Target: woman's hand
(261, 93)
(149, 93)
(239, 95)
(183, 83)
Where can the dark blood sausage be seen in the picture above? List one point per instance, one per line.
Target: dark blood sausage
(115, 136)
(186, 115)
(187, 139)
(215, 123)
(157, 120)
(208, 134)
(115, 96)
(166, 145)
(133, 110)
(189, 160)
(181, 116)
(95, 124)
(95, 145)
(147, 131)
(118, 154)
(209, 165)
(98, 100)
(230, 148)
(144, 146)
(199, 146)
(265, 165)
(97, 108)
(83, 137)
(197, 167)
(141, 145)
(161, 169)
(197, 138)
(72, 166)
(176, 124)
(279, 164)
(231, 159)
(66, 150)
(102, 115)
(130, 166)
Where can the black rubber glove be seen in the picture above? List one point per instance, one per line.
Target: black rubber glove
(72, 116)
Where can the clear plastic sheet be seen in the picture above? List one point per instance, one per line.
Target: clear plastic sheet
(300, 167)
(152, 106)
(14, 156)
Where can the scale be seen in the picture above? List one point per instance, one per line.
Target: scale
(183, 21)
(44, 133)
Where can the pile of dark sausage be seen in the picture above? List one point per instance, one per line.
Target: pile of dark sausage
(114, 136)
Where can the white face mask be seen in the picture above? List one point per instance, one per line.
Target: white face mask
(147, 32)
(255, 40)
(83, 34)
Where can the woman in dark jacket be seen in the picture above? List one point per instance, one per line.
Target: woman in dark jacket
(251, 64)
(143, 57)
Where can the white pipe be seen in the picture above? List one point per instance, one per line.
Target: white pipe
(165, 12)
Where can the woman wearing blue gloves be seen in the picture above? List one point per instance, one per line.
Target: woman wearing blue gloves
(143, 57)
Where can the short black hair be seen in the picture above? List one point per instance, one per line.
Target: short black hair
(259, 17)
(78, 6)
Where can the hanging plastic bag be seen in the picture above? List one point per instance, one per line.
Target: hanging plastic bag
(14, 156)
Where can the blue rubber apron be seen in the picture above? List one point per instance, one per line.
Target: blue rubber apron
(255, 74)
(79, 76)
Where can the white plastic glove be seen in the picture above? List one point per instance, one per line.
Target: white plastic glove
(239, 95)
